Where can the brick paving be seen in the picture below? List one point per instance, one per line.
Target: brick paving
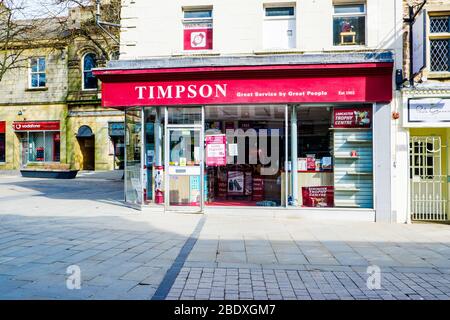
(275, 284)
(48, 225)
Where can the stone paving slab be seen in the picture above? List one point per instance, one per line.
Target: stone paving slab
(126, 254)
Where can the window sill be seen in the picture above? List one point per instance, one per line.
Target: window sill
(195, 53)
(36, 89)
(438, 75)
(277, 51)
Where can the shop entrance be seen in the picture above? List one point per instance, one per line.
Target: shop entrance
(428, 179)
(87, 146)
(184, 179)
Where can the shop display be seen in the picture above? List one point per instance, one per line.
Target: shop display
(353, 158)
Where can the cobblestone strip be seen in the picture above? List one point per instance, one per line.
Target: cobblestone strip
(263, 284)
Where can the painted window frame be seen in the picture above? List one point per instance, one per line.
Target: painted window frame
(83, 88)
(280, 17)
(436, 36)
(337, 15)
(38, 72)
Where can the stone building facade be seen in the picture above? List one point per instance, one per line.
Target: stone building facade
(50, 106)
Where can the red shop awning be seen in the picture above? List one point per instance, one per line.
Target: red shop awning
(21, 126)
(303, 83)
(2, 126)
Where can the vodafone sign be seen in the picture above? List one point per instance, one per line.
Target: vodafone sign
(36, 126)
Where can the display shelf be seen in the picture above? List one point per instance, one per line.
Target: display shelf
(347, 189)
(346, 157)
(346, 204)
(353, 176)
(359, 173)
(354, 140)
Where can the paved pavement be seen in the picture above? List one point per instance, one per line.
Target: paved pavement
(48, 226)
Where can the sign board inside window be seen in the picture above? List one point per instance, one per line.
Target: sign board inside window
(352, 117)
(198, 30)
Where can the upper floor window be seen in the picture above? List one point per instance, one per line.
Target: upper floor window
(279, 28)
(89, 80)
(440, 43)
(198, 29)
(349, 24)
(37, 73)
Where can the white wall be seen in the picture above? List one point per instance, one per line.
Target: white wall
(153, 28)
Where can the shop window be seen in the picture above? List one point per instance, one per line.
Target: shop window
(44, 147)
(440, 43)
(245, 155)
(335, 156)
(89, 80)
(37, 76)
(349, 24)
(279, 31)
(198, 29)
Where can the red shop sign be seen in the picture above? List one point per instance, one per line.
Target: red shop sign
(36, 125)
(2, 126)
(216, 154)
(356, 83)
(353, 117)
(318, 196)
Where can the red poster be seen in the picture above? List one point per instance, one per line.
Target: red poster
(198, 37)
(311, 163)
(318, 196)
(2, 126)
(258, 189)
(36, 126)
(352, 118)
(216, 154)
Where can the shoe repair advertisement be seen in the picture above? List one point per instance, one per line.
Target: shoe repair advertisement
(235, 183)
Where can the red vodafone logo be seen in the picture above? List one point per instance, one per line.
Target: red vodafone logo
(36, 125)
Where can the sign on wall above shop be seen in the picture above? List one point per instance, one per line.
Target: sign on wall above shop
(2, 126)
(430, 110)
(36, 126)
(198, 36)
(352, 117)
(371, 82)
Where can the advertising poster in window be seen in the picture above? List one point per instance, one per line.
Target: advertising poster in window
(318, 196)
(216, 154)
(198, 36)
(353, 118)
(235, 183)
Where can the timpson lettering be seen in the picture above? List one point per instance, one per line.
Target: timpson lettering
(180, 91)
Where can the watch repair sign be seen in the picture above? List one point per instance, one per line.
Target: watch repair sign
(198, 36)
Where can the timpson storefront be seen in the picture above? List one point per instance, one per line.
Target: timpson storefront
(259, 132)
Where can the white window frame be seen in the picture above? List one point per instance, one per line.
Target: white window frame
(198, 20)
(337, 15)
(45, 140)
(435, 36)
(83, 71)
(31, 72)
(287, 17)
